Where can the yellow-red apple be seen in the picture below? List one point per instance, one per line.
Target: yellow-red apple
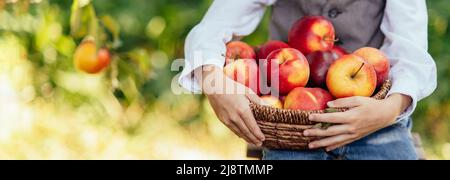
(286, 69)
(272, 101)
(308, 99)
(245, 72)
(239, 50)
(312, 33)
(378, 60)
(351, 76)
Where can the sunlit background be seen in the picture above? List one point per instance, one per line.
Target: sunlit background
(50, 110)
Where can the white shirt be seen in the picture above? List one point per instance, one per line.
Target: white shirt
(405, 26)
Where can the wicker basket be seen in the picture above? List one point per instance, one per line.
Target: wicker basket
(284, 128)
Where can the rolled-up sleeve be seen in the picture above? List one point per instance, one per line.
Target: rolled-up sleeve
(413, 71)
(206, 43)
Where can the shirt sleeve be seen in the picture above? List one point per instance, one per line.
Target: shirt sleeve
(413, 71)
(206, 43)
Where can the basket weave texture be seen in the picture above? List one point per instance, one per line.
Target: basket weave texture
(284, 128)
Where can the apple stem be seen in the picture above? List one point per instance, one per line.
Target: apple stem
(326, 39)
(362, 65)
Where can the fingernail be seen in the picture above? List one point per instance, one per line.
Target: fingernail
(259, 144)
(311, 146)
(306, 133)
(311, 117)
(330, 104)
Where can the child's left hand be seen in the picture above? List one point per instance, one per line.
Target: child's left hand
(365, 117)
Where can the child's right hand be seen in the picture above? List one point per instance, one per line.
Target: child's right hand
(233, 109)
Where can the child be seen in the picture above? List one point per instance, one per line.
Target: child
(371, 129)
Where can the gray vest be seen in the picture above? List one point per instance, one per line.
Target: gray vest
(357, 22)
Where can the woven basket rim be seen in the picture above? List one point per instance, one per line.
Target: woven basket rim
(284, 128)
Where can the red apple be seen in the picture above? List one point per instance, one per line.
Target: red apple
(312, 33)
(351, 76)
(378, 60)
(339, 51)
(245, 72)
(308, 99)
(290, 67)
(239, 50)
(320, 62)
(269, 47)
(272, 101)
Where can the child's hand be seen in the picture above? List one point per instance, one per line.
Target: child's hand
(233, 107)
(366, 116)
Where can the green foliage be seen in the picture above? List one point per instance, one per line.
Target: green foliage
(133, 96)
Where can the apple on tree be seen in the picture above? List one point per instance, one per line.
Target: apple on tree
(89, 60)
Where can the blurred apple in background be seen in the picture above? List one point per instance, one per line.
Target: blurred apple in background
(87, 59)
(104, 57)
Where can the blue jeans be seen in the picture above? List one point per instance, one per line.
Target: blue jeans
(392, 143)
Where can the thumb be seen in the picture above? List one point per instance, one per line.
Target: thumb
(349, 102)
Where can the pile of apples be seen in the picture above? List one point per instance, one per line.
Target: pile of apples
(311, 70)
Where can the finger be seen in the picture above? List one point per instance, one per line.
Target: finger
(250, 121)
(255, 99)
(246, 132)
(331, 141)
(238, 132)
(349, 102)
(334, 118)
(331, 131)
(235, 130)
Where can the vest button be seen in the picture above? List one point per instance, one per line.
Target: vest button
(334, 13)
